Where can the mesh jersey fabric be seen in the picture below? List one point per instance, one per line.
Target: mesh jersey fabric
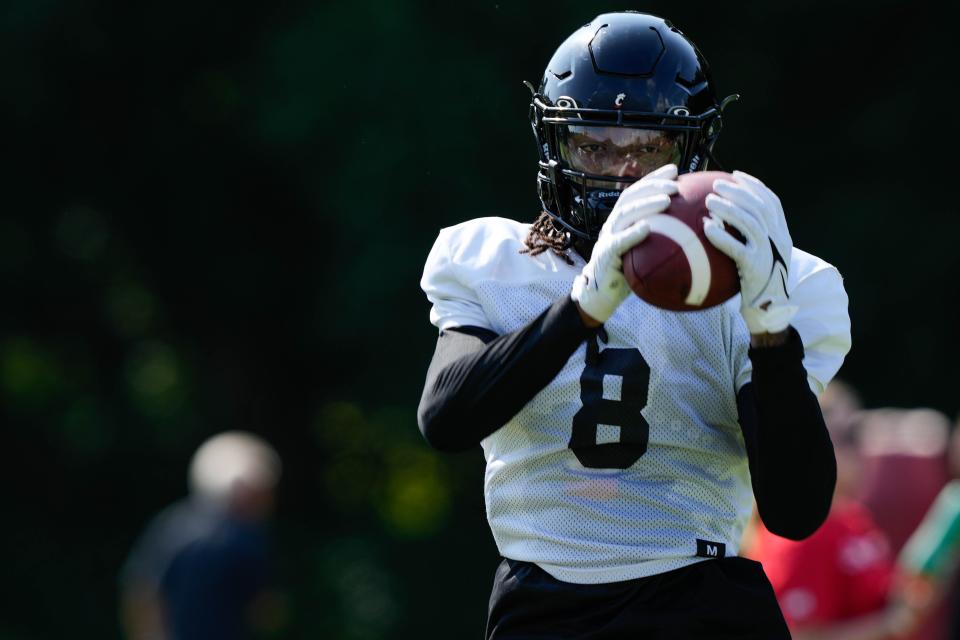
(668, 377)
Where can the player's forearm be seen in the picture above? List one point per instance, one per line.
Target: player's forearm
(792, 464)
(477, 383)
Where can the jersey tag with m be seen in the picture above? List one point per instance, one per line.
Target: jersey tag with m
(710, 549)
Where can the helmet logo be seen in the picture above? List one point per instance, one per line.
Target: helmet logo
(566, 102)
(619, 101)
(679, 111)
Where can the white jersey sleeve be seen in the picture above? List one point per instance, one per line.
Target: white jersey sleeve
(447, 279)
(823, 320)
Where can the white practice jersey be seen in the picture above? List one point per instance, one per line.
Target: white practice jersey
(601, 511)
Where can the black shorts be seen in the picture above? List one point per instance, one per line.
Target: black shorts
(724, 598)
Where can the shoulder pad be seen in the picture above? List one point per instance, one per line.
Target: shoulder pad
(470, 253)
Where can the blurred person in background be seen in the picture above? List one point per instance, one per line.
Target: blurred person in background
(952, 597)
(202, 567)
(904, 468)
(839, 582)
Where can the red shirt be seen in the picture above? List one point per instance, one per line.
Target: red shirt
(842, 571)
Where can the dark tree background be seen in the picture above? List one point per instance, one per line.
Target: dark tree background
(214, 216)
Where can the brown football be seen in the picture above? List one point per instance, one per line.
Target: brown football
(676, 267)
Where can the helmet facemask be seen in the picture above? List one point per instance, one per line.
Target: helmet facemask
(589, 156)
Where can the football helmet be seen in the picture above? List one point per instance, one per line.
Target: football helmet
(623, 95)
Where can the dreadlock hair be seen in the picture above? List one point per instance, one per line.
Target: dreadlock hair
(545, 235)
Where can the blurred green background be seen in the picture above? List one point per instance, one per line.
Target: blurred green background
(215, 216)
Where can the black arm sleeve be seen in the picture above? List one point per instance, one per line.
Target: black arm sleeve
(792, 466)
(477, 380)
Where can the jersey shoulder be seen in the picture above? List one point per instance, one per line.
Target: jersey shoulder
(803, 265)
(483, 253)
(480, 242)
(815, 284)
(823, 319)
(487, 249)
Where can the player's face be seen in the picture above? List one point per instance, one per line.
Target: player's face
(618, 151)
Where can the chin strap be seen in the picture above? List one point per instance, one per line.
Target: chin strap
(708, 148)
(713, 160)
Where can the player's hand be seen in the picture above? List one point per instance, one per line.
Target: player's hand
(601, 286)
(763, 261)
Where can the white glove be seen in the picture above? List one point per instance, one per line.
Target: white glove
(601, 286)
(763, 262)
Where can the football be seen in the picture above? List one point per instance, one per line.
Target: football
(677, 267)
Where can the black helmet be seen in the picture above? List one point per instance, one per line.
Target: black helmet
(632, 71)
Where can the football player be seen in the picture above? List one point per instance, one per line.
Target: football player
(624, 443)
